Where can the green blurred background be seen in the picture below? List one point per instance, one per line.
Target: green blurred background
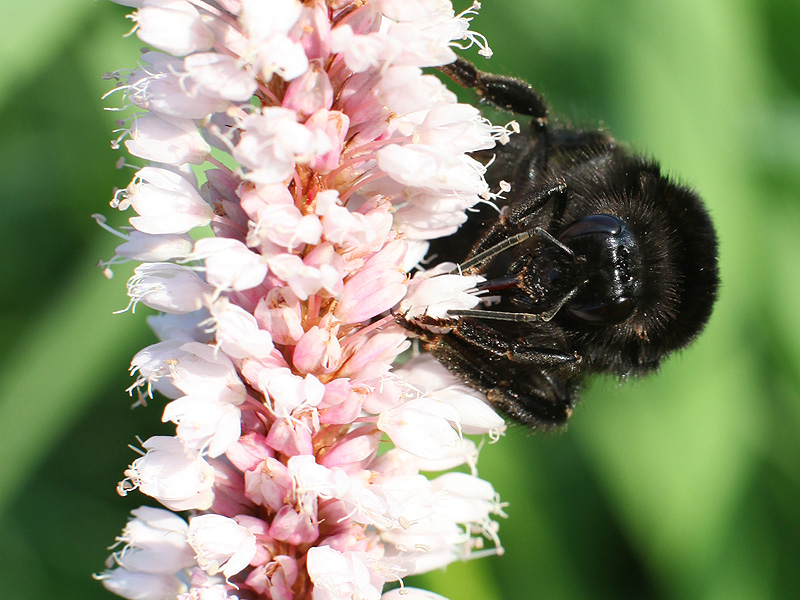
(684, 485)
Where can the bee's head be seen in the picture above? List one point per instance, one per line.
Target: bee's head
(650, 255)
(606, 270)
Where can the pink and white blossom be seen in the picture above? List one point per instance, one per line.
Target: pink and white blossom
(277, 259)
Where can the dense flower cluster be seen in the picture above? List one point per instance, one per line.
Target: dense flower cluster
(306, 137)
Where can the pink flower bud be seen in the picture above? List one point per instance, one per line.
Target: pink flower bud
(310, 92)
(269, 484)
(290, 438)
(334, 125)
(318, 351)
(372, 355)
(353, 451)
(279, 313)
(295, 525)
(249, 451)
(341, 403)
(313, 31)
(370, 292)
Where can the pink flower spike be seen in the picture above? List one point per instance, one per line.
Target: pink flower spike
(276, 263)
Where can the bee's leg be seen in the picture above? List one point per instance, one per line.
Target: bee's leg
(506, 93)
(521, 215)
(533, 391)
(493, 343)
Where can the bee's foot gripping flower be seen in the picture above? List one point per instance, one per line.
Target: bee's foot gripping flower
(307, 137)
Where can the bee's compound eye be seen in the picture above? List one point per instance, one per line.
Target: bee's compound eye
(592, 224)
(604, 314)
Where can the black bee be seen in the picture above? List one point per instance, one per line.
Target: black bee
(597, 263)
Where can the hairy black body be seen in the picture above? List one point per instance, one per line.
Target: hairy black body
(599, 264)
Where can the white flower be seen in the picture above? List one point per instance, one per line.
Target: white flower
(220, 75)
(230, 265)
(271, 144)
(339, 576)
(168, 140)
(155, 542)
(422, 427)
(222, 545)
(148, 247)
(407, 593)
(432, 293)
(163, 86)
(167, 287)
(136, 585)
(180, 480)
(166, 202)
(204, 423)
(174, 26)
(237, 331)
(432, 168)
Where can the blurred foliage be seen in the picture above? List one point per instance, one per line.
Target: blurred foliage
(680, 486)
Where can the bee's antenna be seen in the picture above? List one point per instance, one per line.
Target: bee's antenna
(507, 243)
(517, 317)
(546, 235)
(510, 242)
